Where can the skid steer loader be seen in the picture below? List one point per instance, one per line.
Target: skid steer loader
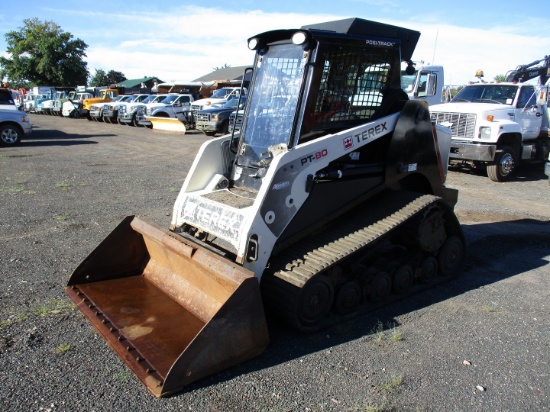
(329, 202)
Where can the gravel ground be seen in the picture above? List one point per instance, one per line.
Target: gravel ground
(479, 342)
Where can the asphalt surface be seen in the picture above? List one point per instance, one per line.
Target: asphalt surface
(480, 342)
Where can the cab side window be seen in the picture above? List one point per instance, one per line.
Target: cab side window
(5, 97)
(526, 97)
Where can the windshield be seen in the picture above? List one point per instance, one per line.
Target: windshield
(407, 82)
(272, 105)
(232, 103)
(170, 99)
(487, 93)
(221, 93)
(158, 98)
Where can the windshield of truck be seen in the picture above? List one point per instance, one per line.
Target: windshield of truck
(487, 93)
(407, 82)
(221, 93)
(232, 103)
(158, 98)
(272, 105)
(169, 99)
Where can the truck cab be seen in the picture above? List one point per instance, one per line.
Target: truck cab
(6, 100)
(105, 96)
(426, 84)
(497, 125)
(219, 98)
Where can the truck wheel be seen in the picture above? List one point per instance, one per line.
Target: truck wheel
(503, 167)
(210, 133)
(135, 122)
(9, 135)
(225, 127)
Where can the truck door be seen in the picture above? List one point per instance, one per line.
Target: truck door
(427, 88)
(528, 114)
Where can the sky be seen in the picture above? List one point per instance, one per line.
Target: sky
(184, 40)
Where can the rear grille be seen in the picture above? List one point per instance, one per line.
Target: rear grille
(462, 124)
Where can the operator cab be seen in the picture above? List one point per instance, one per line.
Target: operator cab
(315, 81)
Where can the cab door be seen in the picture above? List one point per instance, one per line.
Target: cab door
(528, 113)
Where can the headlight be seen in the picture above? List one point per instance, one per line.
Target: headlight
(215, 117)
(484, 132)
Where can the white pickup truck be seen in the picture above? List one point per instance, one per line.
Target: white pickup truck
(218, 98)
(176, 106)
(132, 112)
(497, 126)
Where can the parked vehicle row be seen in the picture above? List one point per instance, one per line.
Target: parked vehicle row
(210, 115)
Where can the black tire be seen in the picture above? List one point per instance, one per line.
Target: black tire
(10, 135)
(451, 256)
(348, 297)
(315, 301)
(380, 287)
(428, 269)
(210, 133)
(225, 127)
(504, 165)
(403, 279)
(135, 121)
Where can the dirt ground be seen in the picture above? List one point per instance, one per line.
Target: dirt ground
(480, 342)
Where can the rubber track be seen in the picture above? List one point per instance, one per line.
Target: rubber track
(291, 269)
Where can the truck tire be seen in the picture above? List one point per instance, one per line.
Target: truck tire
(225, 127)
(135, 121)
(10, 135)
(504, 165)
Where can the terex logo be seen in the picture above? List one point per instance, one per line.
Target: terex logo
(370, 133)
(314, 156)
(213, 218)
(348, 142)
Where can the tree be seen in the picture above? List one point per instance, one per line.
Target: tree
(101, 78)
(500, 78)
(115, 77)
(43, 54)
